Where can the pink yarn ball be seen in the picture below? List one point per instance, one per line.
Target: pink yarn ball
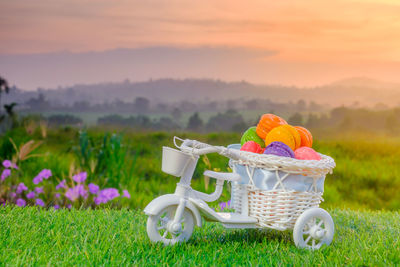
(306, 153)
(251, 146)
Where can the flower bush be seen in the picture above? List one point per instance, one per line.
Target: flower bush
(43, 193)
(225, 205)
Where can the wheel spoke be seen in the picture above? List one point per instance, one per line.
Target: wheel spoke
(320, 223)
(313, 243)
(307, 239)
(161, 227)
(165, 234)
(306, 232)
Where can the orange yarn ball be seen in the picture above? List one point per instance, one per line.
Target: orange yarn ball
(296, 135)
(267, 123)
(281, 134)
(305, 135)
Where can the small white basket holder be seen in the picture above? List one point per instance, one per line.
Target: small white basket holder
(277, 190)
(174, 161)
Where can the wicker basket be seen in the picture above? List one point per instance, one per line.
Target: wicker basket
(278, 207)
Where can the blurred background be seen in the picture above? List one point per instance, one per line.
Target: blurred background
(101, 86)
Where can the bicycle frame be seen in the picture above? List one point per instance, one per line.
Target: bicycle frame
(195, 201)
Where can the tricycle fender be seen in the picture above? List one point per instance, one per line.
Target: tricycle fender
(157, 204)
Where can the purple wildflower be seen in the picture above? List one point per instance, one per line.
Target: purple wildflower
(80, 177)
(93, 188)
(57, 195)
(30, 195)
(69, 206)
(43, 174)
(106, 195)
(39, 202)
(72, 194)
(38, 179)
(5, 174)
(82, 191)
(46, 174)
(126, 194)
(20, 202)
(13, 194)
(75, 192)
(224, 205)
(109, 193)
(56, 206)
(62, 184)
(7, 163)
(21, 187)
(98, 200)
(39, 190)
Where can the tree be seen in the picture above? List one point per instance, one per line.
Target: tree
(176, 114)
(312, 121)
(39, 103)
(301, 105)
(231, 120)
(195, 123)
(8, 107)
(3, 87)
(296, 119)
(142, 104)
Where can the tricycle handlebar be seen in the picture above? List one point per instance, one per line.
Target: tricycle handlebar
(199, 148)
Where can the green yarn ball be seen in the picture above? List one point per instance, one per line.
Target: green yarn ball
(251, 135)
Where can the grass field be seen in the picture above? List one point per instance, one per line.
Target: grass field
(102, 237)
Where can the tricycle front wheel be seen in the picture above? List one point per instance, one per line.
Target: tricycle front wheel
(313, 229)
(160, 227)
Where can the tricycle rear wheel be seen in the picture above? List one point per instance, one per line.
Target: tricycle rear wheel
(313, 228)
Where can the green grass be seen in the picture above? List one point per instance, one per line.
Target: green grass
(31, 236)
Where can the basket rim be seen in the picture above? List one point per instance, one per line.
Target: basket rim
(313, 168)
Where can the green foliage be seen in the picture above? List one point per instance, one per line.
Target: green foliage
(107, 159)
(110, 237)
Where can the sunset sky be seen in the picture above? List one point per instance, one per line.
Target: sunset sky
(304, 42)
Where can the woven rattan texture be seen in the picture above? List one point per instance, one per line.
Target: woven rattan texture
(279, 209)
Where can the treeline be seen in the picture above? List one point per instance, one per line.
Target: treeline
(142, 105)
(230, 120)
(341, 118)
(363, 120)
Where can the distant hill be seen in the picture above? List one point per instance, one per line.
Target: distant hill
(364, 82)
(364, 91)
(103, 76)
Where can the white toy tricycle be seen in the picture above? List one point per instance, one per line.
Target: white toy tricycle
(267, 192)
